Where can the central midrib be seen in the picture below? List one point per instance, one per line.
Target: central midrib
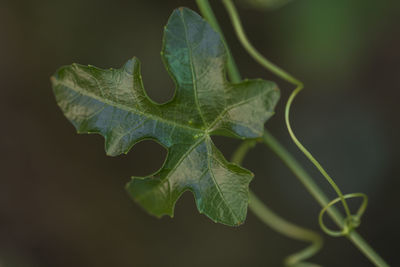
(193, 72)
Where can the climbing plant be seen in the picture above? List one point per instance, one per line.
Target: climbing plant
(114, 103)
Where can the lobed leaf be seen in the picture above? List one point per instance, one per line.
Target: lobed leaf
(114, 104)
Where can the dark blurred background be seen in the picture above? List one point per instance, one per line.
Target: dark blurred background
(62, 201)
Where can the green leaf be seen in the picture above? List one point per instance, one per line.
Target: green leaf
(114, 104)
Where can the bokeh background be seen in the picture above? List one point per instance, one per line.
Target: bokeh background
(62, 201)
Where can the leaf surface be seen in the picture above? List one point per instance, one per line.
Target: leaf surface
(114, 104)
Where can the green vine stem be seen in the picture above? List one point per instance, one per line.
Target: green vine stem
(321, 198)
(347, 225)
(280, 225)
(237, 25)
(351, 221)
(290, 230)
(314, 161)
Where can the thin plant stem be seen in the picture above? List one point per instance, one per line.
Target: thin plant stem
(287, 158)
(290, 230)
(270, 141)
(277, 223)
(352, 221)
(321, 198)
(237, 25)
